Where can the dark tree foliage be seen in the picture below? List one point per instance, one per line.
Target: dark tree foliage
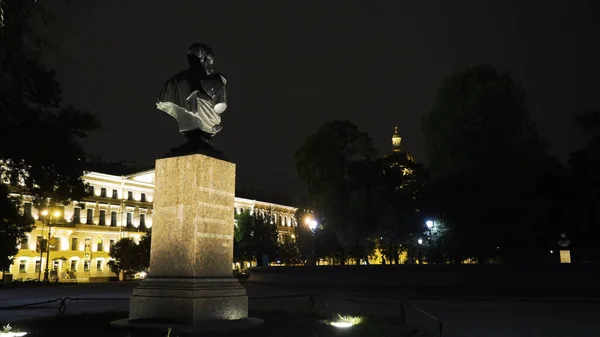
(288, 251)
(326, 243)
(336, 165)
(130, 257)
(491, 175)
(585, 165)
(41, 149)
(13, 227)
(255, 235)
(400, 181)
(479, 119)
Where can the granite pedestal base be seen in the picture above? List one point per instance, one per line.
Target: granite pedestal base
(188, 301)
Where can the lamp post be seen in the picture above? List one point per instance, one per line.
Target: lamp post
(312, 224)
(420, 242)
(56, 214)
(44, 213)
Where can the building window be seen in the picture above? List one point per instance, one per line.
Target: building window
(142, 221)
(113, 218)
(130, 195)
(102, 219)
(74, 243)
(99, 245)
(99, 265)
(38, 243)
(77, 215)
(86, 265)
(24, 242)
(103, 192)
(129, 219)
(27, 209)
(23, 266)
(111, 242)
(143, 197)
(54, 244)
(73, 265)
(115, 194)
(61, 210)
(90, 216)
(91, 190)
(38, 266)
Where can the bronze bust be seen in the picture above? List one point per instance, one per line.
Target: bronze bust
(196, 98)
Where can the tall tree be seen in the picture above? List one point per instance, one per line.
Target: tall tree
(130, 257)
(288, 252)
(13, 227)
(489, 166)
(255, 235)
(585, 164)
(48, 166)
(479, 119)
(336, 163)
(323, 239)
(400, 182)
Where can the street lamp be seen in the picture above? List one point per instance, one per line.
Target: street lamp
(56, 214)
(312, 224)
(420, 242)
(429, 224)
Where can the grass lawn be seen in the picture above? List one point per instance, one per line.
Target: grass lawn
(277, 324)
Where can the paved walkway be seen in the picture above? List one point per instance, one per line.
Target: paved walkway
(462, 318)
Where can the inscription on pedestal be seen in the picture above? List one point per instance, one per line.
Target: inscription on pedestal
(191, 278)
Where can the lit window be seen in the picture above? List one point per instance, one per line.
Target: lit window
(102, 218)
(113, 218)
(90, 216)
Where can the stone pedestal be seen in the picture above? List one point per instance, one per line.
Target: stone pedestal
(191, 280)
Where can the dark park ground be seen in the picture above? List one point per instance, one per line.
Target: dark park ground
(463, 314)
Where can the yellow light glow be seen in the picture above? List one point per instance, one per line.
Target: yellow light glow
(341, 324)
(45, 212)
(57, 214)
(346, 321)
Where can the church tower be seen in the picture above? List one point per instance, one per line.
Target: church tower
(396, 141)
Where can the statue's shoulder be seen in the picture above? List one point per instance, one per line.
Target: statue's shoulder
(181, 76)
(221, 77)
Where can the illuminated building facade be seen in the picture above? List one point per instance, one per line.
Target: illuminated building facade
(83, 232)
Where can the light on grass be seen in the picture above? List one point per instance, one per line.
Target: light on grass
(346, 321)
(6, 332)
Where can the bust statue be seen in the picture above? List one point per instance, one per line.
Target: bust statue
(196, 98)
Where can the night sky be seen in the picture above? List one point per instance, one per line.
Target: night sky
(291, 66)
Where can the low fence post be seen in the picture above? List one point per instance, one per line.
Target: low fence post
(402, 314)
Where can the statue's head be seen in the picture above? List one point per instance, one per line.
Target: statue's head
(200, 55)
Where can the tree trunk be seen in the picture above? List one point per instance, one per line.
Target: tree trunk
(343, 258)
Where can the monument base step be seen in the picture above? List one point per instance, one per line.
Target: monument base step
(189, 301)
